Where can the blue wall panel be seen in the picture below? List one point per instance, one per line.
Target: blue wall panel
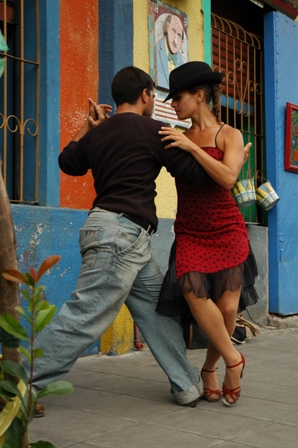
(115, 43)
(44, 231)
(281, 86)
(49, 134)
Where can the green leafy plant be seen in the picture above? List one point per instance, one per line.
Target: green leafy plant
(20, 399)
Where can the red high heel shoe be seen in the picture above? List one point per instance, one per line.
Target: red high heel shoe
(207, 393)
(233, 393)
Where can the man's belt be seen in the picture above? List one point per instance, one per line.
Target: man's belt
(140, 222)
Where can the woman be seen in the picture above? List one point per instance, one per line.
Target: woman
(213, 261)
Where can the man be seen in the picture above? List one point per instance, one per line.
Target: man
(168, 54)
(125, 155)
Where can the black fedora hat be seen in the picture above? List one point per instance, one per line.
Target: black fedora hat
(192, 74)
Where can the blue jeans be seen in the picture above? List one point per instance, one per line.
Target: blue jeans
(117, 267)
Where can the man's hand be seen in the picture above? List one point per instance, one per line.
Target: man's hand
(246, 152)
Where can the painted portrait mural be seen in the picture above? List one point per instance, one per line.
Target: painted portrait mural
(168, 31)
(168, 49)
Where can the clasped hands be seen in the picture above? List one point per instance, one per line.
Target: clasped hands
(98, 112)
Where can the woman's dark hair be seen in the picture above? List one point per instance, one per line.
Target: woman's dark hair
(129, 83)
(212, 93)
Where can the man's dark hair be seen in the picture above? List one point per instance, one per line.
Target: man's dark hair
(129, 83)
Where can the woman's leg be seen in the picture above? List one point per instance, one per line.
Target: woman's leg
(228, 305)
(218, 322)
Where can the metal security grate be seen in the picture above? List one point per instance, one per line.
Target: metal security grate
(238, 55)
(19, 100)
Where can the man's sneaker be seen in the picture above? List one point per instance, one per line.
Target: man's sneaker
(39, 410)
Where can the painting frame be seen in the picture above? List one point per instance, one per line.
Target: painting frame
(291, 138)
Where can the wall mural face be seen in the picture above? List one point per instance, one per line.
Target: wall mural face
(168, 49)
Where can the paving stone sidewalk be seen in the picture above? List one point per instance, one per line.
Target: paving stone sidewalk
(124, 402)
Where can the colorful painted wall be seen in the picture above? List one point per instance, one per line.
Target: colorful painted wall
(166, 200)
(79, 77)
(79, 62)
(70, 73)
(81, 52)
(89, 41)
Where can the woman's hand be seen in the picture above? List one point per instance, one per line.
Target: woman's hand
(246, 152)
(177, 139)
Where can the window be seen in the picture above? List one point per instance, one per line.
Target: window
(19, 99)
(238, 54)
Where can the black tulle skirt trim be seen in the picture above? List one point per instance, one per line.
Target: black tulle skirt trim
(172, 303)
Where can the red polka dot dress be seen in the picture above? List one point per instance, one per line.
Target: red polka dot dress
(211, 253)
(210, 231)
